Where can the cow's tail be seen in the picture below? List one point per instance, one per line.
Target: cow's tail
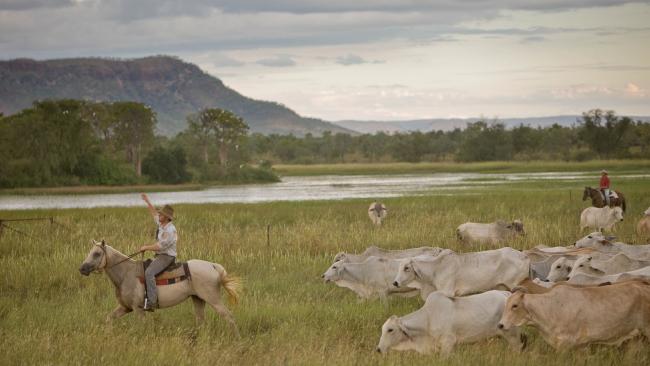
(232, 284)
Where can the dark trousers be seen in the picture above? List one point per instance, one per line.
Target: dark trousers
(160, 262)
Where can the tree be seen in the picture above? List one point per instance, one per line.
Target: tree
(223, 126)
(166, 165)
(603, 131)
(134, 130)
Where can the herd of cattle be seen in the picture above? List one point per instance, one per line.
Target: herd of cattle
(594, 291)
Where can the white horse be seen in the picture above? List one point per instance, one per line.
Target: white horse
(203, 286)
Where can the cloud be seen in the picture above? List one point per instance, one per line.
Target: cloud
(22, 5)
(352, 59)
(634, 90)
(277, 61)
(221, 60)
(533, 39)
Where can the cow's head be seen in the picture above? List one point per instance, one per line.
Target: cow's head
(617, 213)
(518, 227)
(340, 256)
(583, 265)
(594, 240)
(515, 313)
(560, 270)
(393, 333)
(334, 272)
(406, 273)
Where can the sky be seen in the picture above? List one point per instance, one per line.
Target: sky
(370, 59)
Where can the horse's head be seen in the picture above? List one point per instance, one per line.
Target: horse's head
(95, 260)
(586, 194)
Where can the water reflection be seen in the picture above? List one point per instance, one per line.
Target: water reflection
(296, 189)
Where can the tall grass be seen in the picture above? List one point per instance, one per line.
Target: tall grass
(50, 314)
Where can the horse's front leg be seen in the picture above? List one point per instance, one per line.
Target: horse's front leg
(117, 313)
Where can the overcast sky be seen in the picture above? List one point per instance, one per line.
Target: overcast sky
(370, 59)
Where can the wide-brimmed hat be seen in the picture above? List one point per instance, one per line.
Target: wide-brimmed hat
(167, 211)
(603, 171)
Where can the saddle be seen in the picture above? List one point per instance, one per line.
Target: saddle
(612, 195)
(174, 273)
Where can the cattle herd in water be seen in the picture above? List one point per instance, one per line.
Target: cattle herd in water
(596, 290)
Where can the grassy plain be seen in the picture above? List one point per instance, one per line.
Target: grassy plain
(51, 315)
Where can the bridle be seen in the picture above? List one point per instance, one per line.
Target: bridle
(105, 265)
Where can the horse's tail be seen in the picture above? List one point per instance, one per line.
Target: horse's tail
(232, 284)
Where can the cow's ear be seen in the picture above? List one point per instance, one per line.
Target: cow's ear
(403, 329)
(610, 238)
(604, 242)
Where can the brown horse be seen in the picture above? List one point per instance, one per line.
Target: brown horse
(597, 198)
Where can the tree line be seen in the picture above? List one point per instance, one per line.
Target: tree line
(72, 142)
(596, 135)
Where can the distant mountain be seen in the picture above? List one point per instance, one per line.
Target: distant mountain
(426, 125)
(171, 87)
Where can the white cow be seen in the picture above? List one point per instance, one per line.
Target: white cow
(601, 243)
(377, 212)
(384, 253)
(463, 274)
(619, 263)
(586, 279)
(445, 321)
(493, 233)
(369, 279)
(600, 218)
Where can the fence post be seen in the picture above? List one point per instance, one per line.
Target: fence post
(1, 227)
(268, 235)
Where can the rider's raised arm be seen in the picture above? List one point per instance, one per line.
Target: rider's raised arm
(152, 209)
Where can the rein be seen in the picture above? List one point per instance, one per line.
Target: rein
(106, 266)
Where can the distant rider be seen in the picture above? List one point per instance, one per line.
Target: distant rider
(165, 248)
(604, 185)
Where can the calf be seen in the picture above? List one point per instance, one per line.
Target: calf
(445, 321)
(377, 212)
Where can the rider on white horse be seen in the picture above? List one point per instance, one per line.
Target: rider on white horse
(165, 248)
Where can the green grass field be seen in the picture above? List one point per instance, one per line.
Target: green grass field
(51, 315)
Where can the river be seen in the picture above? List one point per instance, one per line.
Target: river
(296, 189)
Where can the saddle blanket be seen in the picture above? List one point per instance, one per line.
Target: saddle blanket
(175, 273)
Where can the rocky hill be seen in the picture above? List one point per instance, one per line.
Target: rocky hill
(173, 88)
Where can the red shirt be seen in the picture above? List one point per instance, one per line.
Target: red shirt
(604, 182)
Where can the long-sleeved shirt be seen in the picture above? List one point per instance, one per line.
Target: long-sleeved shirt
(604, 182)
(167, 237)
